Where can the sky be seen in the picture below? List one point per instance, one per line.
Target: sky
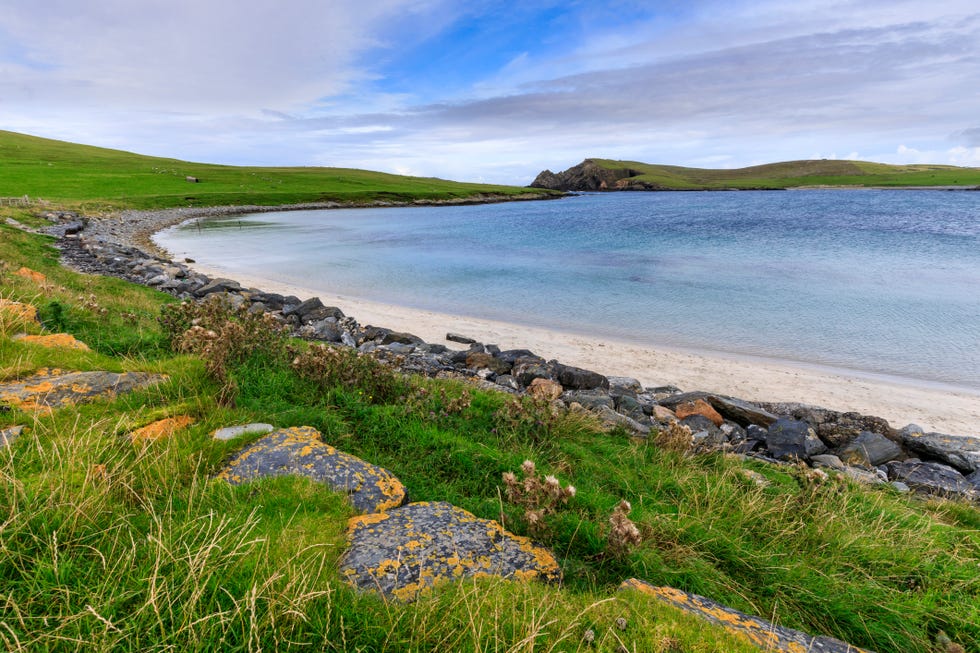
(493, 91)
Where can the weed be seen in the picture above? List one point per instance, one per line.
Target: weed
(539, 497)
(329, 366)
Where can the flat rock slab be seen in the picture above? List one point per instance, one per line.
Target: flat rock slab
(232, 432)
(53, 388)
(764, 634)
(299, 451)
(406, 551)
(161, 429)
(961, 452)
(53, 341)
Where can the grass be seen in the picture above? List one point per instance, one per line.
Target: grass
(107, 546)
(93, 178)
(795, 174)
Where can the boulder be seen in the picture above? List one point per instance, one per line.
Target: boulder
(629, 406)
(591, 399)
(698, 407)
(9, 434)
(232, 432)
(525, 370)
(481, 360)
(611, 419)
(219, 286)
(576, 378)
(299, 451)
(662, 414)
(789, 439)
(673, 399)
(53, 388)
(53, 341)
(624, 385)
(512, 356)
(930, 478)
(406, 551)
(544, 389)
(741, 412)
(463, 340)
(961, 452)
(17, 311)
(871, 449)
(160, 429)
(763, 634)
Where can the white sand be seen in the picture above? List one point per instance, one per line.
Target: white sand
(901, 402)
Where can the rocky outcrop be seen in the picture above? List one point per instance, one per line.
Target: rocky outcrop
(53, 388)
(590, 176)
(299, 451)
(765, 635)
(403, 552)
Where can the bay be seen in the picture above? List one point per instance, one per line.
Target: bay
(886, 282)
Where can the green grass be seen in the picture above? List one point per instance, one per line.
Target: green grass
(152, 554)
(794, 174)
(94, 178)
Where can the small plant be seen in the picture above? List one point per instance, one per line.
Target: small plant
(530, 418)
(330, 366)
(675, 437)
(437, 402)
(539, 497)
(624, 536)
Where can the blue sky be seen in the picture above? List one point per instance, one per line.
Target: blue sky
(497, 91)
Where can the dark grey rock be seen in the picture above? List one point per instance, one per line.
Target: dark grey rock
(829, 461)
(931, 478)
(512, 356)
(741, 412)
(961, 452)
(869, 449)
(576, 378)
(789, 439)
(463, 340)
(627, 405)
(507, 381)
(661, 392)
(700, 423)
(624, 385)
(219, 286)
(590, 399)
(611, 419)
(673, 400)
(974, 479)
(326, 330)
(526, 370)
(400, 348)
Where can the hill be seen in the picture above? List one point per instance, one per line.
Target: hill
(606, 174)
(94, 177)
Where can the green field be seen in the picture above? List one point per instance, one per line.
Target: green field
(95, 178)
(795, 174)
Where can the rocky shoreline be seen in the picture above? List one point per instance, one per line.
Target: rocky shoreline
(864, 448)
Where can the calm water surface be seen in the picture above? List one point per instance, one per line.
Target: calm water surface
(877, 281)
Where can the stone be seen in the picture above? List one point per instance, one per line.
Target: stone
(974, 479)
(863, 476)
(9, 434)
(17, 311)
(961, 452)
(931, 478)
(400, 349)
(869, 449)
(482, 360)
(611, 419)
(624, 385)
(161, 429)
(53, 341)
(31, 275)
(299, 451)
(763, 634)
(507, 382)
(232, 432)
(463, 340)
(576, 378)
(698, 407)
(512, 356)
(526, 370)
(53, 388)
(591, 399)
(407, 551)
(741, 412)
(829, 461)
(219, 286)
(629, 406)
(326, 330)
(662, 413)
(789, 439)
(544, 389)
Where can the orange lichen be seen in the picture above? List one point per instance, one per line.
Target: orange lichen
(18, 311)
(28, 273)
(163, 428)
(55, 340)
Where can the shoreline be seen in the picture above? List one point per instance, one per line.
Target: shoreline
(900, 401)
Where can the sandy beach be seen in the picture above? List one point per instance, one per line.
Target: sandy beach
(901, 402)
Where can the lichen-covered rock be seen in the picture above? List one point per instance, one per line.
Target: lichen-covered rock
(961, 452)
(52, 388)
(53, 341)
(763, 634)
(545, 389)
(299, 451)
(931, 478)
(9, 434)
(405, 551)
(698, 407)
(160, 429)
(869, 449)
(30, 274)
(17, 311)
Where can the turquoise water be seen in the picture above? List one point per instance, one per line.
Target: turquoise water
(878, 281)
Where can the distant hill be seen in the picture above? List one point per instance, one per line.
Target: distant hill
(605, 174)
(97, 177)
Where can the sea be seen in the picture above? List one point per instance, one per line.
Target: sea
(878, 281)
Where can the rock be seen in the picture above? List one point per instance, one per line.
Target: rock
(526, 370)
(931, 478)
(219, 286)
(672, 400)
(32, 275)
(974, 479)
(661, 392)
(662, 413)
(789, 439)
(544, 389)
(611, 419)
(900, 487)
(590, 399)
(232, 432)
(53, 341)
(299, 451)
(481, 360)
(406, 551)
(829, 461)
(400, 349)
(16, 311)
(961, 452)
(512, 356)
(629, 406)
(863, 476)
(624, 385)
(741, 412)
(763, 634)
(53, 388)
(698, 422)
(869, 449)
(698, 407)
(9, 434)
(508, 382)
(326, 330)
(160, 429)
(575, 378)
(463, 340)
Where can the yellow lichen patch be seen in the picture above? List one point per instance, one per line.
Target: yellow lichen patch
(18, 311)
(34, 276)
(54, 341)
(365, 520)
(163, 428)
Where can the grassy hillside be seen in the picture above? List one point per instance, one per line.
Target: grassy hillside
(109, 546)
(93, 177)
(793, 174)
